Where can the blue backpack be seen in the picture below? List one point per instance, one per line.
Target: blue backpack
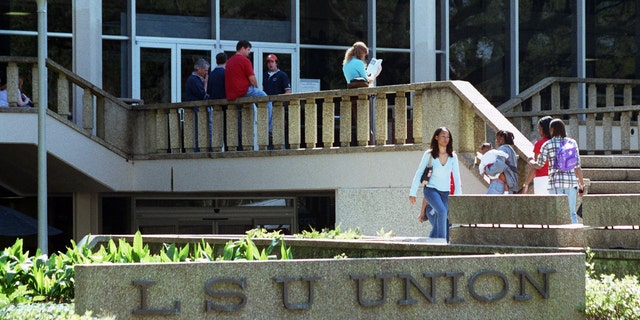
(566, 156)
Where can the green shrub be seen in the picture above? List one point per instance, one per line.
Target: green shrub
(611, 298)
(330, 234)
(45, 311)
(38, 278)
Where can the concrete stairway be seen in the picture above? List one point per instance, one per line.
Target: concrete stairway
(612, 174)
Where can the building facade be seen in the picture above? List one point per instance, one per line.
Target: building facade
(145, 49)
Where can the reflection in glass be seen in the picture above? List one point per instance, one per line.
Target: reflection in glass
(257, 20)
(546, 40)
(393, 28)
(179, 18)
(114, 69)
(479, 46)
(612, 38)
(155, 75)
(325, 65)
(396, 68)
(114, 17)
(333, 22)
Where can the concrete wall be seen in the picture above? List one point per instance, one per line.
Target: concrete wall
(541, 286)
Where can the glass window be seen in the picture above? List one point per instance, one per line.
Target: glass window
(257, 20)
(115, 68)
(325, 65)
(155, 65)
(25, 46)
(178, 19)
(396, 68)
(611, 39)
(333, 22)
(479, 46)
(547, 40)
(23, 15)
(18, 15)
(114, 17)
(393, 24)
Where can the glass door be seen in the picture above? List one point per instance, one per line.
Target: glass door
(164, 64)
(163, 67)
(155, 75)
(288, 61)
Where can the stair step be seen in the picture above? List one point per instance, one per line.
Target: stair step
(614, 187)
(612, 174)
(611, 161)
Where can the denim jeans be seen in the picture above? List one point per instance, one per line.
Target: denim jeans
(439, 201)
(496, 187)
(255, 92)
(572, 193)
(430, 213)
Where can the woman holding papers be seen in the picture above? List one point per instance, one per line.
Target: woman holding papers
(354, 69)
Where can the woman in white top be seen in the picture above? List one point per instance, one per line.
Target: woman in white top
(445, 163)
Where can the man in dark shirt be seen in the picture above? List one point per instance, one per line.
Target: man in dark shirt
(215, 86)
(216, 90)
(194, 88)
(275, 81)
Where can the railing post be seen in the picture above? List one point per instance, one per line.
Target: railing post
(328, 122)
(573, 105)
(87, 110)
(201, 122)
(63, 95)
(294, 124)
(277, 133)
(233, 127)
(345, 121)
(399, 118)
(592, 92)
(35, 85)
(419, 97)
(362, 121)
(310, 123)
(607, 120)
(173, 124)
(12, 84)
(536, 106)
(162, 131)
(555, 96)
(263, 125)
(217, 128)
(100, 117)
(247, 126)
(189, 133)
(625, 121)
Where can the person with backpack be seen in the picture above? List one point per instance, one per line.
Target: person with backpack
(565, 175)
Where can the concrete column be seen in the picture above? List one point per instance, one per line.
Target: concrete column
(85, 215)
(423, 40)
(87, 49)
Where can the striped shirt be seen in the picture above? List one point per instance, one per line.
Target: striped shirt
(558, 179)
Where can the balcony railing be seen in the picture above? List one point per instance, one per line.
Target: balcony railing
(335, 119)
(327, 119)
(608, 116)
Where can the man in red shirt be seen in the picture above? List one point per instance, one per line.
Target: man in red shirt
(240, 81)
